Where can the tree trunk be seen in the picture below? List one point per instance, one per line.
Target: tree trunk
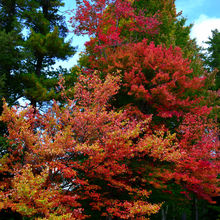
(195, 209)
(164, 212)
(39, 65)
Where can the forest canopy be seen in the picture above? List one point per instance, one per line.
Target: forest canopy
(131, 132)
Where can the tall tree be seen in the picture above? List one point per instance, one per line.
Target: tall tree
(157, 76)
(78, 163)
(11, 54)
(213, 56)
(45, 44)
(34, 34)
(212, 63)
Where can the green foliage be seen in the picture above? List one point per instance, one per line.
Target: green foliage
(10, 63)
(172, 29)
(44, 45)
(211, 59)
(213, 55)
(29, 53)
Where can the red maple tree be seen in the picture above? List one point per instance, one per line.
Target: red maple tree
(160, 83)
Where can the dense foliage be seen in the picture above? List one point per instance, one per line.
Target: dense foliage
(33, 38)
(134, 135)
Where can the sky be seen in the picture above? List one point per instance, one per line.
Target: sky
(203, 14)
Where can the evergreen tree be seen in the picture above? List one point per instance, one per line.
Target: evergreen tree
(33, 38)
(212, 60)
(212, 63)
(213, 55)
(11, 54)
(45, 44)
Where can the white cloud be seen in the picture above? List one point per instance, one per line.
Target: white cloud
(202, 28)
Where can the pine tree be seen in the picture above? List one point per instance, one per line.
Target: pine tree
(212, 63)
(213, 56)
(33, 38)
(32, 35)
(11, 54)
(45, 44)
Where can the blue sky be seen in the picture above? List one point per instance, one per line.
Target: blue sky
(193, 9)
(203, 14)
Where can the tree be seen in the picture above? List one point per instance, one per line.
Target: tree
(45, 43)
(212, 61)
(213, 57)
(32, 35)
(156, 78)
(27, 57)
(156, 20)
(10, 60)
(81, 156)
(11, 55)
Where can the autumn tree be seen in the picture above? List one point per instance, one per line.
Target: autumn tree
(75, 162)
(32, 35)
(159, 79)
